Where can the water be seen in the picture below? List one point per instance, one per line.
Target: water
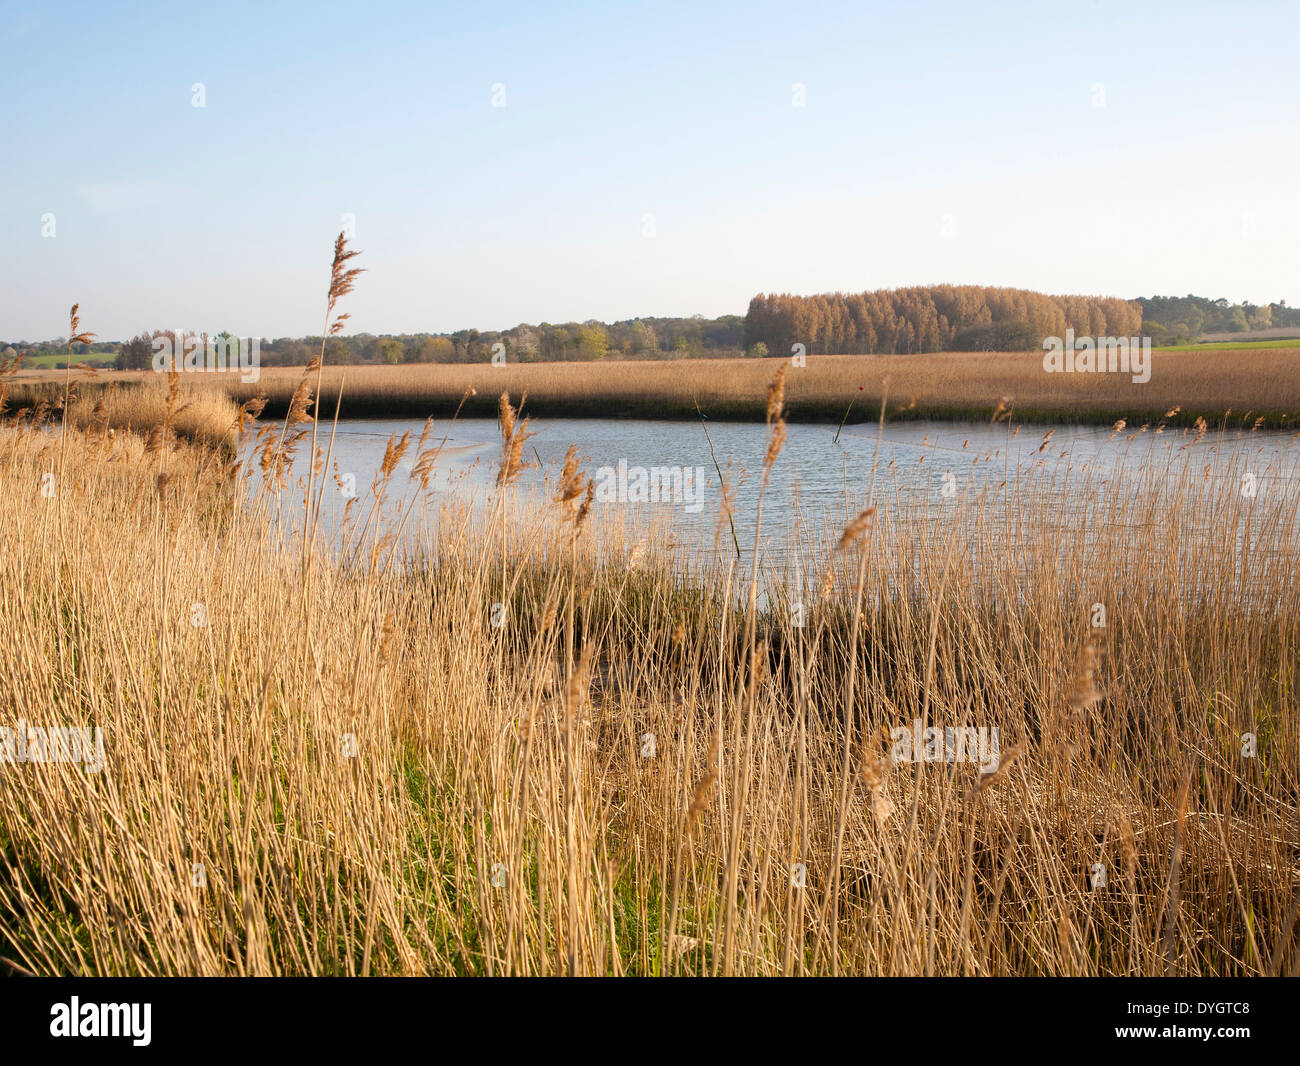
(822, 476)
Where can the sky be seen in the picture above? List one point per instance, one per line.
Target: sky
(655, 158)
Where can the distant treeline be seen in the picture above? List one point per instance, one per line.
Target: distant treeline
(965, 318)
(1181, 319)
(928, 318)
(931, 318)
(639, 338)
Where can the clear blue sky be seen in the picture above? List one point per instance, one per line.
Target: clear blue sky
(938, 142)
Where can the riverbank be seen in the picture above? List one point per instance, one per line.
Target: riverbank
(1223, 387)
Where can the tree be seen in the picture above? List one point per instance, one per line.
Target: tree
(557, 343)
(425, 349)
(525, 342)
(593, 341)
(643, 338)
(136, 354)
(1259, 317)
(337, 352)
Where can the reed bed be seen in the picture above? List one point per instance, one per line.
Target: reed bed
(533, 743)
(1226, 388)
(139, 404)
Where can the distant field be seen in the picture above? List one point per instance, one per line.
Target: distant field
(48, 361)
(1275, 333)
(1231, 346)
(964, 386)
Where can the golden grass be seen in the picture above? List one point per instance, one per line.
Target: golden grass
(349, 769)
(203, 415)
(1247, 383)
(135, 403)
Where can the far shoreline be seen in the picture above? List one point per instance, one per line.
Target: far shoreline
(1230, 388)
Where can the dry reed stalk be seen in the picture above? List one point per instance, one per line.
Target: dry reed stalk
(513, 435)
(1173, 883)
(703, 788)
(875, 775)
(995, 777)
(854, 529)
(1084, 694)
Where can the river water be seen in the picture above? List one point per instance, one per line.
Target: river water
(823, 475)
